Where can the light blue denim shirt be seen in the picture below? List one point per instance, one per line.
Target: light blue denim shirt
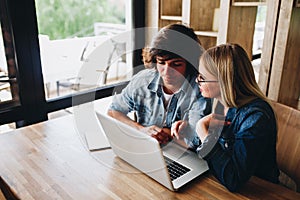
(144, 96)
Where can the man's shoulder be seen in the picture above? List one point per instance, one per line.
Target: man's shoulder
(147, 72)
(145, 75)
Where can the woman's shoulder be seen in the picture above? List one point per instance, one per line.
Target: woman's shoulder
(257, 106)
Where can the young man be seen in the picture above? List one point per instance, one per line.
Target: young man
(166, 91)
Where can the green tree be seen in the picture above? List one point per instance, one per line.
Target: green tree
(61, 19)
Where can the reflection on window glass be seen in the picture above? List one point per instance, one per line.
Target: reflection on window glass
(259, 28)
(259, 37)
(70, 31)
(5, 93)
(5, 86)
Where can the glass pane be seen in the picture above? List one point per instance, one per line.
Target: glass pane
(258, 37)
(5, 93)
(79, 43)
(9, 94)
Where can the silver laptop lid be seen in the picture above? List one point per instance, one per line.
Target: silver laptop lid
(138, 149)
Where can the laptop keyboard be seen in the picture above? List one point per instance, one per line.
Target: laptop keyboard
(175, 169)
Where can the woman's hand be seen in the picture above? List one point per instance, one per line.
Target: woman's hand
(177, 127)
(209, 122)
(202, 127)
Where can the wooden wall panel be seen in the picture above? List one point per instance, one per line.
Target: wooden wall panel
(289, 90)
(202, 14)
(207, 42)
(171, 7)
(268, 44)
(284, 83)
(241, 27)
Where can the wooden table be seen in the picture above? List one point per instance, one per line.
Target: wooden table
(49, 161)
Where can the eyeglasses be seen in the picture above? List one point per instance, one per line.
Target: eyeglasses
(201, 79)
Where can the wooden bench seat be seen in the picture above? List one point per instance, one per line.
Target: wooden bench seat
(288, 145)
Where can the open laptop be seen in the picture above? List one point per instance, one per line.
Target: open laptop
(144, 153)
(87, 123)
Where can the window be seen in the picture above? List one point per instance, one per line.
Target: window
(79, 46)
(30, 103)
(8, 70)
(259, 29)
(5, 92)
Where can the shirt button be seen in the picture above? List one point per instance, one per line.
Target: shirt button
(226, 145)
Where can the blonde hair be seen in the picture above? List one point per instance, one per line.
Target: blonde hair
(230, 64)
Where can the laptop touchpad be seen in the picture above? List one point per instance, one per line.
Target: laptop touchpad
(174, 150)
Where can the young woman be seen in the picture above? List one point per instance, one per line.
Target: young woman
(166, 91)
(239, 138)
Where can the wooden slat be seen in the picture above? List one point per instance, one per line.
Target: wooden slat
(290, 85)
(207, 33)
(223, 29)
(49, 161)
(284, 84)
(186, 11)
(202, 14)
(288, 141)
(171, 18)
(248, 2)
(279, 50)
(241, 27)
(268, 44)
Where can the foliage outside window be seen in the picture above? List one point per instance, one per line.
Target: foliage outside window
(61, 19)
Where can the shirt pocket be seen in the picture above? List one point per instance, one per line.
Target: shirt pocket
(226, 143)
(143, 109)
(227, 139)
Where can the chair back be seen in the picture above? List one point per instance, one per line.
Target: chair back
(288, 143)
(119, 50)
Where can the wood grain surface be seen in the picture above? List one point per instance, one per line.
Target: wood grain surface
(50, 161)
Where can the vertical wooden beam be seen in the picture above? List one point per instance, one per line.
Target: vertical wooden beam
(152, 13)
(152, 19)
(273, 8)
(284, 84)
(289, 92)
(186, 12)
(223, 24)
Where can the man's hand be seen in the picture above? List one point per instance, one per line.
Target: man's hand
(162, 135)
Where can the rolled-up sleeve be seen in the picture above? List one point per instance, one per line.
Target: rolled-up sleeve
(123, 102)
(200, 108)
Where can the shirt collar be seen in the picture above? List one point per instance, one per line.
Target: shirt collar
(155, 84)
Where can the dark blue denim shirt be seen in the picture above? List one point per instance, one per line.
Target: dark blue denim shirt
(244, 148)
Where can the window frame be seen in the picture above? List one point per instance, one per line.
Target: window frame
(33, 105)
